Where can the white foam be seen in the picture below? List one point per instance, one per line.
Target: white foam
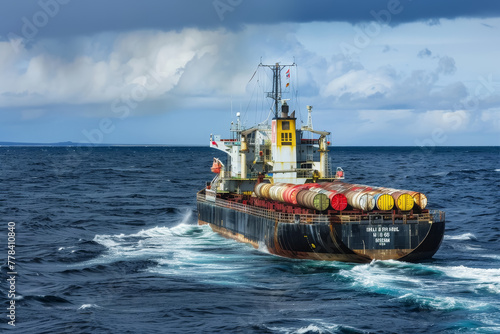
(319, 328)
(497, 170)
(464, 236)
(86, 306)
(263, 248)
(479, 275)
(182, 250)
(441, 174)
(490, 256)
(63, 248)
(396, 280)
(309, 329)
(443, 303)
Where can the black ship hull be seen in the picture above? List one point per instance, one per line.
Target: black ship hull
(348, 238)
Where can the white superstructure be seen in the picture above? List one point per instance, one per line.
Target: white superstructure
(276, 151)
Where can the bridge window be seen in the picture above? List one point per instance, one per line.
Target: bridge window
(286, 138)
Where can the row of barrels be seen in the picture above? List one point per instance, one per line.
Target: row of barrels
(320, 196)
(367, 198)
(308, 195)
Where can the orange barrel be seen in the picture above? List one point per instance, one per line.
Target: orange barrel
(419, 198)
(403, 201)
(312, 200)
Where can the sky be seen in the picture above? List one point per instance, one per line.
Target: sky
(377, 73)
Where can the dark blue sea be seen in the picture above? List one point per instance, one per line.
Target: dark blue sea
(107, 241)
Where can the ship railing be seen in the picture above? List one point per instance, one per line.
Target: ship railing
(305, 173)
(434, 215)
(437, 215)
(265, 213)
(215, 182)
(404, 218)
(350, 219)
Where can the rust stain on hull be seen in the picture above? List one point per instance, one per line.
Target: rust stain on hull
(277, 250)
(229, 234)
(383, 254)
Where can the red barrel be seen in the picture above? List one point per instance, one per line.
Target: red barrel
(337, 200)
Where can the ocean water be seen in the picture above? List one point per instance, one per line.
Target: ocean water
(107, 241)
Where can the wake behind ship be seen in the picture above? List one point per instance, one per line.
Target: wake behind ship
(277, 191)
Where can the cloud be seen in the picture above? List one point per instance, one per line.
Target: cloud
(446, 65)
(424, 53)
(190, 67)
(488, 25)
(153, 60)
(360, 84)
(411, 127)
(154, 71)
(203, 72)
(56, 18)
(355, 87)
(388, 48)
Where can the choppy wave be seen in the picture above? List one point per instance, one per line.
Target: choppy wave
(465, 236)
(89, 306)
(182, 250)
(318, 327)
(423, 285)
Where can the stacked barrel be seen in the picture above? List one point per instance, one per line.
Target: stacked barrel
(308, 195)
(367, 198)
(320, 196)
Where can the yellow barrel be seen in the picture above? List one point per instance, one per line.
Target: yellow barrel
(384, 202)
(403, 201)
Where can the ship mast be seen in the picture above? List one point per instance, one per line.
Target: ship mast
(276, 93)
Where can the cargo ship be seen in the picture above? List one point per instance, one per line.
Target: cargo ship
(278, 192)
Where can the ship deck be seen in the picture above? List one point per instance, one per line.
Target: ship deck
(331, 217)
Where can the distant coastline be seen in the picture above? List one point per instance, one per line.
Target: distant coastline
(72, 144)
